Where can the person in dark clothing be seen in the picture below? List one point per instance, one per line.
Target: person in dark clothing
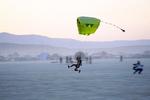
(77, 65)
(137, 67)
(90, 60)
(67, 59)
(60, 60)
(121, 58)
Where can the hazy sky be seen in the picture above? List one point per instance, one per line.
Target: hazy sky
(57, 18)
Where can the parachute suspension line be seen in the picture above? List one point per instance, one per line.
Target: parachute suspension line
(114, 26)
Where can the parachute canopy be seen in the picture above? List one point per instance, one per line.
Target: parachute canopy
(87, 25)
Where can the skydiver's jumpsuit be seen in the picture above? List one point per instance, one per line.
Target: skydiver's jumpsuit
(138, 68)
(77, 66)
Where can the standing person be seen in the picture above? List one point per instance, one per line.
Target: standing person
(60, 60)
(86, 59)
(67, 59)
(90, 60)
(70, 60)
(137, 67)
(77, 65)
(121, 58)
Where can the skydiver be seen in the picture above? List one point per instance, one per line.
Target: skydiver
(77, 65)
(137, 67)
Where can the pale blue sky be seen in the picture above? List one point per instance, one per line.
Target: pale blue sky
(57, 18)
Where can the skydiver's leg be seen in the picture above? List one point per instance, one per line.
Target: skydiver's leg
(135, 71)
(140, 70)
(77, 68)
(72, 65)
(134, 68)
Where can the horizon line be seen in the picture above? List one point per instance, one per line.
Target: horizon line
(10, 33)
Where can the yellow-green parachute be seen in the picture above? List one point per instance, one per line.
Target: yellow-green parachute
(87, 25)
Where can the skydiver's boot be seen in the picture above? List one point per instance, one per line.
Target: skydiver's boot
(68, 66)
(79, 70)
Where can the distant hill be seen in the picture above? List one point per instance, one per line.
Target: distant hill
(34, 45)
(31, 49)
(34, 50)
(67, 43)
(125, 50)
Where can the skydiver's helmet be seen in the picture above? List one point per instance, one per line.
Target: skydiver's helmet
(138, 62)
(78, 58)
